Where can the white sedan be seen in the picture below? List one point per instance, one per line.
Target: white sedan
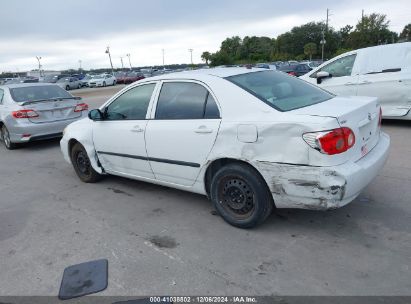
(249, 139)
(102, 80)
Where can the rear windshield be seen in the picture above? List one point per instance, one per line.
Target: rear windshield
(34, 93)
(279, 90)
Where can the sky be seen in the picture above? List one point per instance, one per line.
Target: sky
(64, 32)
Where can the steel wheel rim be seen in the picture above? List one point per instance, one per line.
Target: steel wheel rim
(6, 137)
(83, 163)
(236, 197)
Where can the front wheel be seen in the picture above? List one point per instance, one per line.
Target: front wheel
(114, 83)
(241, 196)
(82, 165)
(5, 136)
(67, 88)
(104, 84)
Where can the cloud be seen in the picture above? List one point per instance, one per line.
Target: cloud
(65, 32)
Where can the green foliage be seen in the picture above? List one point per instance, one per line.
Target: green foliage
(206, 56)
(310, 49)
(304, 41)
(406, 33)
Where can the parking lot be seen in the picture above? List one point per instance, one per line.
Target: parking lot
(165, 241)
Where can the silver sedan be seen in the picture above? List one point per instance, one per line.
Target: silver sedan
(30, 112)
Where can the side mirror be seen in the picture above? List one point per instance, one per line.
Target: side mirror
(95, 115)
(322, 75)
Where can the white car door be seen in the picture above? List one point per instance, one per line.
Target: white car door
(389, 86)
(182, 132)
(341, 80)
(119, 137)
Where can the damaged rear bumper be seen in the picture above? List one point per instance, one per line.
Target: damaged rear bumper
(321, 188)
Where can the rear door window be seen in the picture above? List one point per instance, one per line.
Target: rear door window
(1, 96)
(185, 100)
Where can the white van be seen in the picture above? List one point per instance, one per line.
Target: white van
(382, 71)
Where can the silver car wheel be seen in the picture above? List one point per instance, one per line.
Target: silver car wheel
(5, 135)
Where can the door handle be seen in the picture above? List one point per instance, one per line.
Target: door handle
(137, 129)
(365, 82)
(350, 83)
(203, 130)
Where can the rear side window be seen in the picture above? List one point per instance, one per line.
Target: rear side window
(185, 100)
(1, 96)
(279, 90)
(38, 93)
(131, 105)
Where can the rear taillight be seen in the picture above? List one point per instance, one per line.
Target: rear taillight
(292, 73)
(331, 142)
(380, 118)
(24, 114)
(81, 107)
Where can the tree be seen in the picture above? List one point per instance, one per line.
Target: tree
(371, 30)
(406, 33)
(206, 56)
(310, 49)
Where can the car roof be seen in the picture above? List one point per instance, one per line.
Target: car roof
(217, 72)
(25, 85)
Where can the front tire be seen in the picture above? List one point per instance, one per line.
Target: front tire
(104, 84)
(114, 83)
(67, 88)
(241, 196)
(5, 136)
(82, 165)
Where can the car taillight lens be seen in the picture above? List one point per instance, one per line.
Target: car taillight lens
(81, 107)
(292, 73)
(24, 114)
(380, 118)
(331, 142)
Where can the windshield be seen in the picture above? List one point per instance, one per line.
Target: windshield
(25, 94)
(64, 80)
(279, 90)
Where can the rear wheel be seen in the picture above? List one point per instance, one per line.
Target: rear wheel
(67, 87)
(241, 196)
(114, 83)
(82, 165)
(104, 84)
(5, 136)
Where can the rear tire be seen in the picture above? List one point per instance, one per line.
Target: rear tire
(104, 84)
(241, 196)
(67, 88)
(5, 137)
(114, 83)
(82, 165)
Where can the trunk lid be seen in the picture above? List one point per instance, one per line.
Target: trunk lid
(360, 114)
(53, 110)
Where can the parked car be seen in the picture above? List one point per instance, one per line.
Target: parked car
(85, 80)
(30, 112)
(267, 66)
(102, 80)
(69, 83)
(382, 71)
(250, 140)
(296, 70)
(133, 77)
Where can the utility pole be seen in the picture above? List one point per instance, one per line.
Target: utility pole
(129, 61)
(122, 65)
(324, 32)
(164, 67)
(79, 62)
(109, 56)
(38, 59)
(191, 54)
